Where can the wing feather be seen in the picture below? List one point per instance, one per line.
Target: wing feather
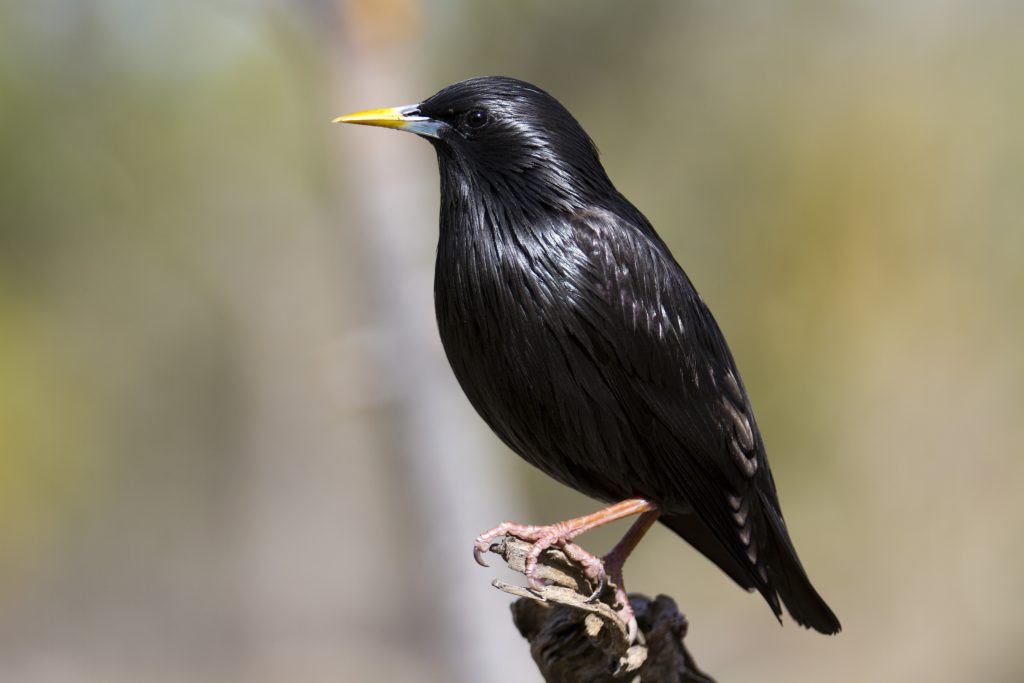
(669, 366)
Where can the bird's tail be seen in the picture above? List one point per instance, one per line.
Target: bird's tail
(787, 576)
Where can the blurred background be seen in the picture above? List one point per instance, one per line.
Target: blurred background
(230, 446)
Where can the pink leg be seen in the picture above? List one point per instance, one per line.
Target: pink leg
(616, 558)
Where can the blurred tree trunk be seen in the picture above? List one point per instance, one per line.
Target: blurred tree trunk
(429, 441)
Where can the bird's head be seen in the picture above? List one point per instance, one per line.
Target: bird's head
(504, 136)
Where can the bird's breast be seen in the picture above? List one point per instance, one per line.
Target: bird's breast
(502, 316)
(492, 313)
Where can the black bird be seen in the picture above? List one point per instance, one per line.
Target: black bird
(582, 343)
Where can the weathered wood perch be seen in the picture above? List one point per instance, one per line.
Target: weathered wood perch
(574, 639)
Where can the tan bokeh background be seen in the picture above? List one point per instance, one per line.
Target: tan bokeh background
(231, 450)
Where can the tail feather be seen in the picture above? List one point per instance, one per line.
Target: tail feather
(787, 579)
(787, 576)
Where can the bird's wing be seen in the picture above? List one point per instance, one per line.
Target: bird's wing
(663, 355)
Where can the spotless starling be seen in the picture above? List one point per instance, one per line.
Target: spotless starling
(583, 344)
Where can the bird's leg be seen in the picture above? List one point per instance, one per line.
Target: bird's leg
(561, 534)
(616, 558)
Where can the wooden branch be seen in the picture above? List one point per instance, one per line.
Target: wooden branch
(574, 639)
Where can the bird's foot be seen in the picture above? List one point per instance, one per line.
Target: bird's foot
(558, 535)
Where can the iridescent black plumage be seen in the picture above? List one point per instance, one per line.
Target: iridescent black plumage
(583, 344)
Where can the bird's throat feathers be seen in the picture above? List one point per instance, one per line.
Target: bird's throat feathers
(522, 188)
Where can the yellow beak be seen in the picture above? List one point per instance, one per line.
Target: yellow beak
(406, 118)
(391, 117)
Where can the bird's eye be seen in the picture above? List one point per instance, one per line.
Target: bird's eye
(476, 118)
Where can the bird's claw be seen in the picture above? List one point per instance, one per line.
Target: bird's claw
(602, 581)
(542, 538)
(599, 572)
(484, 543)
(478, 555)
(632, 630)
